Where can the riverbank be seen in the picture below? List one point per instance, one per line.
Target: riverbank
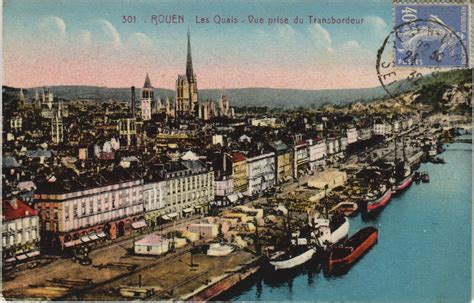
(424, 241)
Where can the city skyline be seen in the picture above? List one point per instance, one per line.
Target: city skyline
(86, 44)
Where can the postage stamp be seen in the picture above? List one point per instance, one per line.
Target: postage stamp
(431, 35)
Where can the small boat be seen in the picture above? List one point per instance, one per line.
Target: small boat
(417, 177)
(328, 232)
(219, 250)
(295, 256)
(348, 209)
(425, 178)
(377, 199)
(344, 256)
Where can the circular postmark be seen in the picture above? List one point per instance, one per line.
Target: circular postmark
(421, 48)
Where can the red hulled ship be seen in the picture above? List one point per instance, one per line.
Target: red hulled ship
(342, 257)
(378, 198)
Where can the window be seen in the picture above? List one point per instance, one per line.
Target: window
(99, 206)
(4, 241)
(66, 212)
(149, 248)
(12, 239)
(33, 234)
(18, 237)
(27, 236)
(83, 208)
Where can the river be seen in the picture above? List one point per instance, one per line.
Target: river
(423, 251)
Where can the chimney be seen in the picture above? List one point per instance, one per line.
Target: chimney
(132, 109)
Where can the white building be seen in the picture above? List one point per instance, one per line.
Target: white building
(352, 135)
(317, 154)
(261, 173)
(20, 231)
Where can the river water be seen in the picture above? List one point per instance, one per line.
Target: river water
(423, 251)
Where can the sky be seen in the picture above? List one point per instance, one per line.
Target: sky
(85, 42)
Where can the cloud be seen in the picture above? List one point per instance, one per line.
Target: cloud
(140, 40)
(54, 24)
(84, 37)
(321, 35)
(351, 44)
(287, 31)
(376, 25)
(112, 31)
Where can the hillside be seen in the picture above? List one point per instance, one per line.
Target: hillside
(271, 97)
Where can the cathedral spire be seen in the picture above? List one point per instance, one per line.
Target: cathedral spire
(189, 61)
(147, 82)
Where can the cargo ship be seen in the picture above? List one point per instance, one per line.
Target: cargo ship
(377, 199)
(295, 256)
(404, 183)
(344, 256)
(327, 232)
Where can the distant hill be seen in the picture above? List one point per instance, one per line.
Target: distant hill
(270, 97)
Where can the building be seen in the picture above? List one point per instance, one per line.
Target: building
(152, 245)
(283, 161)
(223, 181)
(261, 173)
(317, 154)
(148, 96)
(127, 128)
(179, 189)
(224, 106)
(20, 232)
(352, 135)
(300, 159)
(77, 210)
(264, 122)
(57, 128)
(186, 88)
(239, 172)
(207, 110)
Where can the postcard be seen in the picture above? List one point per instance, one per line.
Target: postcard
(259, 150)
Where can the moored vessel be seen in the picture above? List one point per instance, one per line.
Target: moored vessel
(293, 257)
(377, 199)
(345, 255)
(348, 209)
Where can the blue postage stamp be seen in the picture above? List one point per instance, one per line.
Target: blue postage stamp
(431, 35)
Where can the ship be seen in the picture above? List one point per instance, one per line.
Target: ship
(404, 183)
(327, 232)
(377, 199)
(296, 255)
(403, 174)
(348, 209)
(344, 256)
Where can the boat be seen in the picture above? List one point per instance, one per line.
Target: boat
(403, 174)
(417, 177)
(405, 182)
(219, 250)
(348, 209)
(425, 178)
(296, 255)
(378, 198)
(298, 251)
(345, 255)
(327, 232)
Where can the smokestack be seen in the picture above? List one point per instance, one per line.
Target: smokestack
(132, 109)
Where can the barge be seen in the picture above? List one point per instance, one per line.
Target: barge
(344, 256)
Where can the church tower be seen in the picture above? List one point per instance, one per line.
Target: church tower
(148, 95)
(186, 88)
